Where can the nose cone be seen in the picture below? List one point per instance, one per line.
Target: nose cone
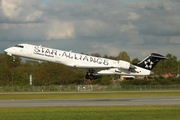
(8, 50)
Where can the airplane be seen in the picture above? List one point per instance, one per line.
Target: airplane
(94, 66)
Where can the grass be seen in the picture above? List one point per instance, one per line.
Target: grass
(92, 113)
(76, 95)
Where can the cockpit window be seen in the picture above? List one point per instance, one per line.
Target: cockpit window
(20, 46)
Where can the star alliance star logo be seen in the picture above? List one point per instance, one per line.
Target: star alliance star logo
(148, 64)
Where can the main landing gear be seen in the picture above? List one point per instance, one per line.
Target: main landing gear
(92, 76)
(89, 75)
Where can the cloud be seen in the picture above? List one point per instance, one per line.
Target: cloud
(175, 40)
(60, 30)
(11, 9)
(133, 16)
(21, 11)
(21, 32)
(93, 29)
(127, 27)
(160, 18)
(98, 25)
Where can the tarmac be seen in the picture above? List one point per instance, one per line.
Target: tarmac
(150, 101)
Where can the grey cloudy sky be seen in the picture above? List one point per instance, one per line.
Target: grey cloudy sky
(138, 27)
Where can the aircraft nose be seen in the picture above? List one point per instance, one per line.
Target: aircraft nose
(8, 50)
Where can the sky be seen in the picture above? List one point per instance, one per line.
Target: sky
(108, 27)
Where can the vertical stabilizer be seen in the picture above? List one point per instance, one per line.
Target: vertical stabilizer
(150, 61)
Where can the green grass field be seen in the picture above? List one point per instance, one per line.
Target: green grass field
(79, 95)
(92, 113)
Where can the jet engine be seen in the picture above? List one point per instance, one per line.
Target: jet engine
(123, 64)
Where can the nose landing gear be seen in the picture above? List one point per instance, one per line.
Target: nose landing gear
(14, 58)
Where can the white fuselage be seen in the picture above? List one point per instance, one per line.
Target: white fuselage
(103, 65)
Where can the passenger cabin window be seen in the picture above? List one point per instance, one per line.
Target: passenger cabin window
(20, 46)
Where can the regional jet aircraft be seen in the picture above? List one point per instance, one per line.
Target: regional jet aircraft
(93, 65)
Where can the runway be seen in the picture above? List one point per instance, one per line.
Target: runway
(159, 101)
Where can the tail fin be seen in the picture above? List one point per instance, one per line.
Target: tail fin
(150, 61)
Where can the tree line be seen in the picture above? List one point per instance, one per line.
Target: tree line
(16, 71)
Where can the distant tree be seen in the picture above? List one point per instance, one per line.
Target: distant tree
(123, 56)
(178, 66)
(105, 80)
(4, 71)
(168, 65)
(112, 57)
(8, 64)
(135, 60)
(12, 61)
(95, 54)
(172, 63)
(160, 67)
(105, 56)
(27, 68)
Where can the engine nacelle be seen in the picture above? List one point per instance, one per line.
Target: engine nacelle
(123, 64)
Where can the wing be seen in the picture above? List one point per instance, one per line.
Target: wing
(93, 68)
